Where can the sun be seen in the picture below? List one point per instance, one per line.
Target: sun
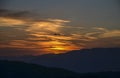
(58, 49)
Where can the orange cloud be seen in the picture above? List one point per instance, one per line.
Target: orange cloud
(10, 22)
(52, 35)
(112, 33)
(48, 47)
(58, 46)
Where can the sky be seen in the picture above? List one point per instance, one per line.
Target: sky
(35, 27)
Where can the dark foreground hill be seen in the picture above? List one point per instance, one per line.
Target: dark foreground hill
(24, 70)
(82, 61)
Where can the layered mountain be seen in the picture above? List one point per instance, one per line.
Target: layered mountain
(10, 69)
(82, 61)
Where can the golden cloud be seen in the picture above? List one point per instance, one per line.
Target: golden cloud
(10, 22)
(52, 35)
(104, 32)
(111, 33)
(45, 26)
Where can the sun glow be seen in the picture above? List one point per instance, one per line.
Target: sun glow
(42, 35)
(57, 48)
(62, 49)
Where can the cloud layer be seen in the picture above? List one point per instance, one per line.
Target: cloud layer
(22, 30)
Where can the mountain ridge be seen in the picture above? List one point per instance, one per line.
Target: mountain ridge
(14, 69)
(86, 60)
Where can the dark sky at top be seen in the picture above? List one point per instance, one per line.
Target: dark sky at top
(81, 12)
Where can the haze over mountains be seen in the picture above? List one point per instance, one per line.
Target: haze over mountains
(82, 61)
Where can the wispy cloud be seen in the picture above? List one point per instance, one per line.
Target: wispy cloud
(111, 33)
(22, 30)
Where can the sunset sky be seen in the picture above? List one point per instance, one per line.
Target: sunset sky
(33, 27)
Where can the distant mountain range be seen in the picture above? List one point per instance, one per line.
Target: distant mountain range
(82, 61)
(10, 69)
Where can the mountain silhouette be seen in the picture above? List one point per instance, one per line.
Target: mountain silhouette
(82, 61)
(12, 69)
(9, 69)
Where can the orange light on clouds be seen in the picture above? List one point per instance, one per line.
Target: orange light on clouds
(51, 35)
(10, 21)
(58, 47)
(62, 49)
